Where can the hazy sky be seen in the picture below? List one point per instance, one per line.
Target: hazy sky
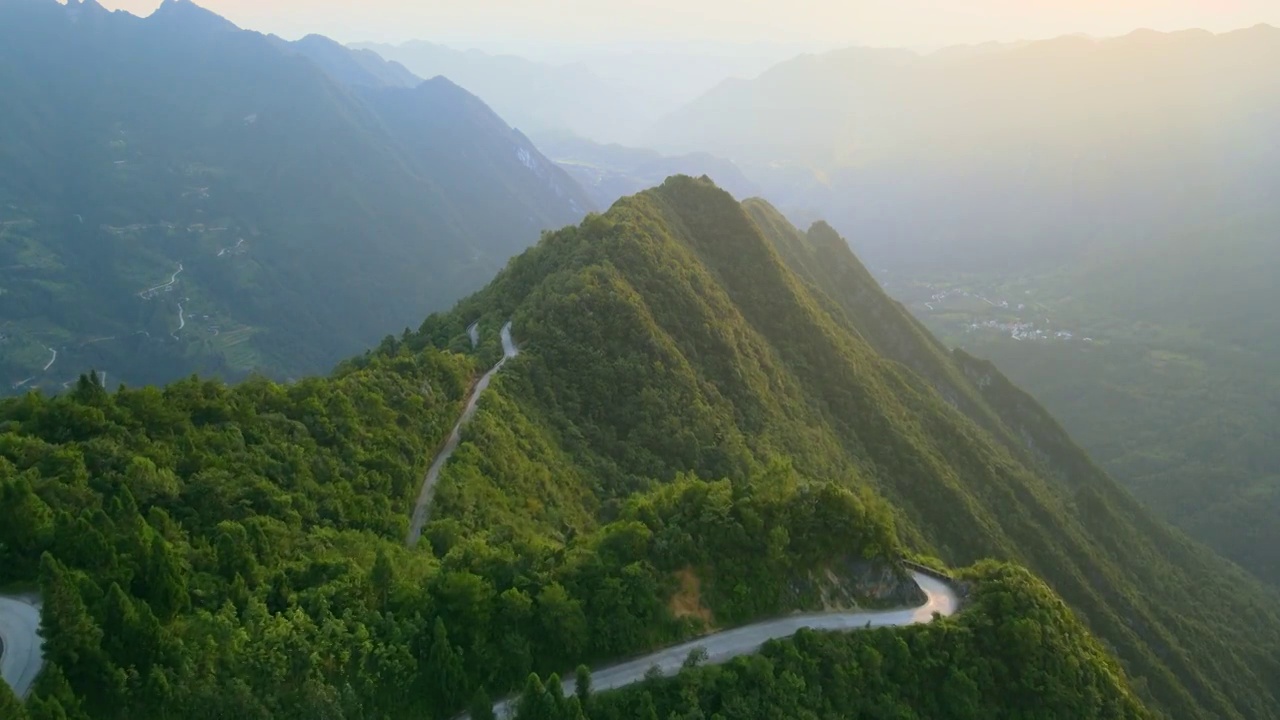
(911, 23)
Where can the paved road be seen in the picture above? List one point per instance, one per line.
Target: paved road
(20, 660)
(473, 332)
(420, 512)
(724, 646)
(172, 281)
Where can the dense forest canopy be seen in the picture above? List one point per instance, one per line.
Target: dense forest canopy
(206, 551)
(1015, 652)
(682, 332)
(714, 418)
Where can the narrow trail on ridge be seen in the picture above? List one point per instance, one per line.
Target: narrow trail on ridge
(422, 510)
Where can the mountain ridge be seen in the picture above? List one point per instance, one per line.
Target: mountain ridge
(292, 185)
(699, 431)
(1005, 483)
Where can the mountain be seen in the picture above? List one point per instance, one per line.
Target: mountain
(1119, 190)
(536, 97)
(178, 195)
(1028, 154)
(1159, 361)
(353, 67)
(609, 172)
(713, 418)
(684, 333)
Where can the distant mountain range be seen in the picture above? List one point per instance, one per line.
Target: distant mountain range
(1009, 154)
(612, 93)
(609, 172)
(534, 96)
(179, 195)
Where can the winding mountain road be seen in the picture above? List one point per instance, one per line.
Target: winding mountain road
(723, 646)
(941, 598)
(420, 511)
(20, 644)
(172, 280)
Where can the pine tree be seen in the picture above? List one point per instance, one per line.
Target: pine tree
(555, 697)
(26, 527)
(582, 685)
(532, 704)
(574, 709)
(166, 583)
(482, 706)
(47, 709)
(71, 637)
(10, 708)
(383, 577)
(445, 676)
(53, 697)
(120, 621)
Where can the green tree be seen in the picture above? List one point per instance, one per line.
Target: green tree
(445, 677)
(582, 685)
(10, 707)
(72, 639)
(166, 584)
(482, 706)
(383, 577)
(534, 702)
(235, 552)
(26, 527)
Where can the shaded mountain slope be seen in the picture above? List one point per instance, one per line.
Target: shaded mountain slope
(353, 67)
(681, 332)
(534, 96)
(308, 216)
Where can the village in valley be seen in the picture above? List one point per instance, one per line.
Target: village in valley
(34, 345)
(1023, 321)
(1016, 311)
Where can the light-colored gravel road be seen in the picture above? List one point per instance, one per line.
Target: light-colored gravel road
(724, 646)
(20, 660)
(422, 510)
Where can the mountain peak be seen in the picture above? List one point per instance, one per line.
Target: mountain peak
(191, 16)
(78, 8)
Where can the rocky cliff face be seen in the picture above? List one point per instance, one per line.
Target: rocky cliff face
(851, 584)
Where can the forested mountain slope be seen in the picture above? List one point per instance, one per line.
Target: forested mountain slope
(1168, 380)
(177, 195)
(694, 435)
(681, 332)
(1122, 190)
(1062, 673)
